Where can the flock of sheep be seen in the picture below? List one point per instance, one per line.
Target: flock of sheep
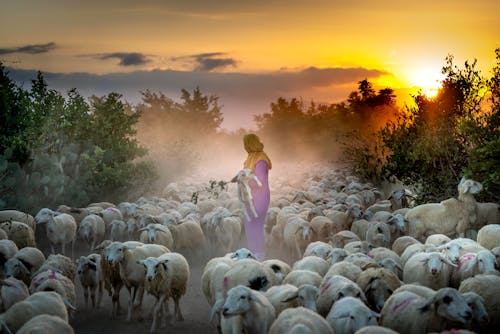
(342, 257)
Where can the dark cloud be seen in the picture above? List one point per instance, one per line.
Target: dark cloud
(30, 49)
(127, 58)
(206, 62)
(242, 95)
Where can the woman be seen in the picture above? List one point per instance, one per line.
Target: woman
(260, 164)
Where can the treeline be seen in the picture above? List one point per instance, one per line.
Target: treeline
(59, 149)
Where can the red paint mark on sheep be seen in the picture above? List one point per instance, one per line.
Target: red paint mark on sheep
(325, 288)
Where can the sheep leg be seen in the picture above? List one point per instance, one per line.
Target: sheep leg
(156, 312)
(100, 293)
(131, 292)
(92, 295)
(177, 310)
(86, 296)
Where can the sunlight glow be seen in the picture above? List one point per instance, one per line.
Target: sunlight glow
(429, 81)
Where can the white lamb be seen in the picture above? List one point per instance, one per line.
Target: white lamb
(92, 230)
(256, 312)
(450, 217)
(407, 312)
(91, 278)
(61, 229)
(167, 276)
(350, 314)
(243, 178)
(432, 270)
(300, 320)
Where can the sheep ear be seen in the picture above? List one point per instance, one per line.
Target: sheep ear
(291, 296)
(446, 260)
(140, 262)
(216, 309)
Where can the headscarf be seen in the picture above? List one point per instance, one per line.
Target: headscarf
(255, 150)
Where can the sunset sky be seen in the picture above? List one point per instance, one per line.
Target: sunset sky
(248, 53)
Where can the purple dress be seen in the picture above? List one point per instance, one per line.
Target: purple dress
(254, 228)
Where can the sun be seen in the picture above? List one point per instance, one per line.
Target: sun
(428, 81)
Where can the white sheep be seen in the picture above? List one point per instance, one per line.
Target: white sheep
(91, 278)
(280, 296)
(312, 263)
(225, 232)
(472, 264)
(335, 288)
(167, 276)
(437, 240)
(61, 229)
(59, 263)
(243, 178)
(18, 216)
(118, 230)
(342, 238)
(188, 236)
(347, 269)
(487, 214)
(450, 217)
(400, 244)
(45, 323)
(337, 255)
(301, 276)
(7, 250)
(44, 302)
(156, 234)
(322, 227)
(251, 273)
(256, 312)
(378, 235)
(51, 280)
(131, 272)
(479, 314)
(407, 312)
(24, 264)
(12, 291)
(350, 314)
(20, 233)
(377, 330)
(488, 287)
(429, 269)
(300, 320)
(280, 268)
(92, 230)
(319, 248)
(489, 236)
(377, 285)
(297, 235)
(109, 214)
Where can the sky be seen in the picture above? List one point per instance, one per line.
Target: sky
(248, 53)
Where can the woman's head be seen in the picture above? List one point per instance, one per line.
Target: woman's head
(252, 143)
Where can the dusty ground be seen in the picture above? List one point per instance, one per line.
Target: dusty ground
(194, 307)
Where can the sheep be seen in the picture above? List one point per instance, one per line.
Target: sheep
(381, 253)
(45, 323)
(24, 263)
(132, 228)
(375, 330)
(412, 250)
(359, 227)
(280, 297)
(401, 198)
(256, 312)
(297, 235)
(347, 269)
(92, 230)
(59, 263)
(250, 273)
(429, 269)
(349, 314)
(450, 217)
(118, 230)
(342, 238)
(280, 268)
(44, 302)
(397, 226)
(472, 264)
(344, 220)
(12, 291)
(243, 178)
(18, 216)
(337, 255)
(437, 240)
(214, 286)
(479, 313)
(400, 244)
(20, 233)
(489, 236)
(417, 289)
(377, 285)
(91, 278)
(383, 205)
(61, 229)
(51, 280)
(306, 296)
(488, 287)
(188, 236)
(227, 232)
(392, 265)
(166, 277)
(77, 213)
(109, 214)
(406, 312)
(300, 277)
(7, 250)
(131, 272)
(487, 214)
(318, 248)
(322, 226)
(358, 247)
(300, 320)
(312, 263)
(362, 260)
(496, 251)
(156, 234)
(334, 288)
(378, 235)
